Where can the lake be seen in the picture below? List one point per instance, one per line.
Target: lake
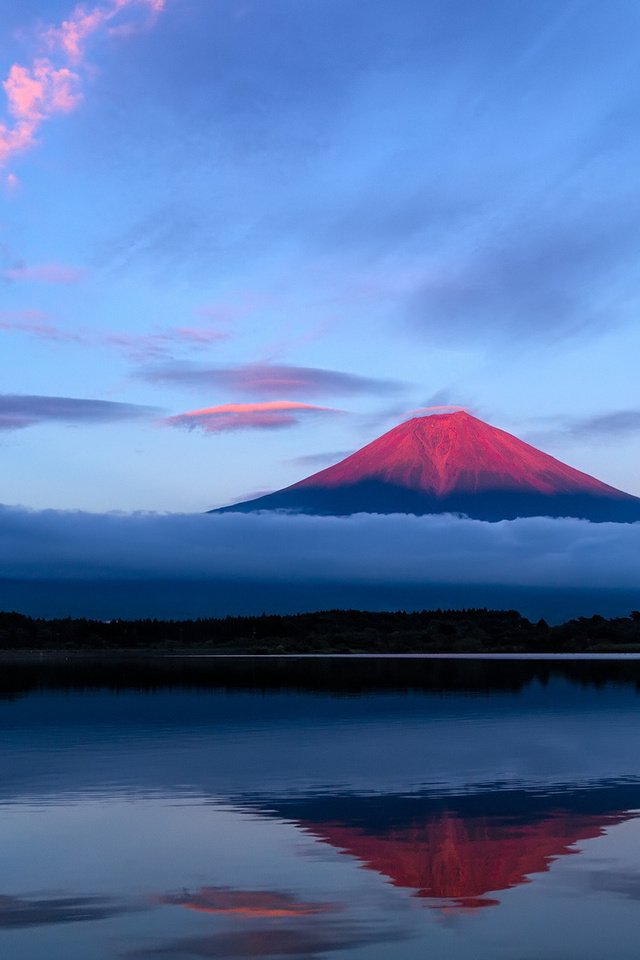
(188, 808)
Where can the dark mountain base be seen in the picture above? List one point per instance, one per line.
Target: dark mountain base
(384, 498)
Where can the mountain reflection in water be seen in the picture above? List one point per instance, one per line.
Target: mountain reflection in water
(313, 808)
(459, 849)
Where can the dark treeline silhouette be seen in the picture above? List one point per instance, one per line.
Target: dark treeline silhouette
(328, 632)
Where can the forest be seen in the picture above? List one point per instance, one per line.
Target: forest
(327, 632)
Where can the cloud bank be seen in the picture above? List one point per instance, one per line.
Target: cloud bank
(537, 551)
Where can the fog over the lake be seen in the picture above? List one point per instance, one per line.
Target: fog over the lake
(538, 551)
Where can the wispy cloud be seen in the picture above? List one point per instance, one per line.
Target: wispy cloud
(602, 428)
(149, 346)
(70, 36)
(272, 414)
(52, 83)
(318, 459)
(18, 411)
(613, 425)
(136, 346)
(241, 306)
(35, 323)
(43, 273)
(535, 277)
(436, 408)
(270, 380)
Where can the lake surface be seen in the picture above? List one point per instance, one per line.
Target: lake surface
(459, 809)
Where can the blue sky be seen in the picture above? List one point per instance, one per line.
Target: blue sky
(312, 217)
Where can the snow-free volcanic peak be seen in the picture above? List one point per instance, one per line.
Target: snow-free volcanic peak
(451, 463)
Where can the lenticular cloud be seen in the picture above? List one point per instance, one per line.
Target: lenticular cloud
(395, 549)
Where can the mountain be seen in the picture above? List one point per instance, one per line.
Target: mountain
(450, 463)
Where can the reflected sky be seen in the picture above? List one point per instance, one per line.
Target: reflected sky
(261, 820)
(246, 903)
(31, 912)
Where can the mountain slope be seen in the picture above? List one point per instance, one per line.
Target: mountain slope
(456, 463)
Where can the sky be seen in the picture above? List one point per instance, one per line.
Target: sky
(238, 240)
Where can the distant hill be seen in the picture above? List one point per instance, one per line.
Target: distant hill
(450, 463)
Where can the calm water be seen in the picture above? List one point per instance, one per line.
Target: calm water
(426, 809)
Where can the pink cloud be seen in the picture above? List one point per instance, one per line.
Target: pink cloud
(273, 414)
(33, 94)
(43, 273)
(72, 33)
(49, 86)
(36, 93)
(15, 139)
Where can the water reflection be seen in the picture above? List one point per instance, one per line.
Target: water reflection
(306, 809)
(302, 943)
(246, 903)
(21, 675)
(32, 912)
(459, 849)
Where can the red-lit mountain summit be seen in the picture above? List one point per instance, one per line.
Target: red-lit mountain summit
(451, 463)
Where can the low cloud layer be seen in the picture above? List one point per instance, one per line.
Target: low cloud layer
(388, 550)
